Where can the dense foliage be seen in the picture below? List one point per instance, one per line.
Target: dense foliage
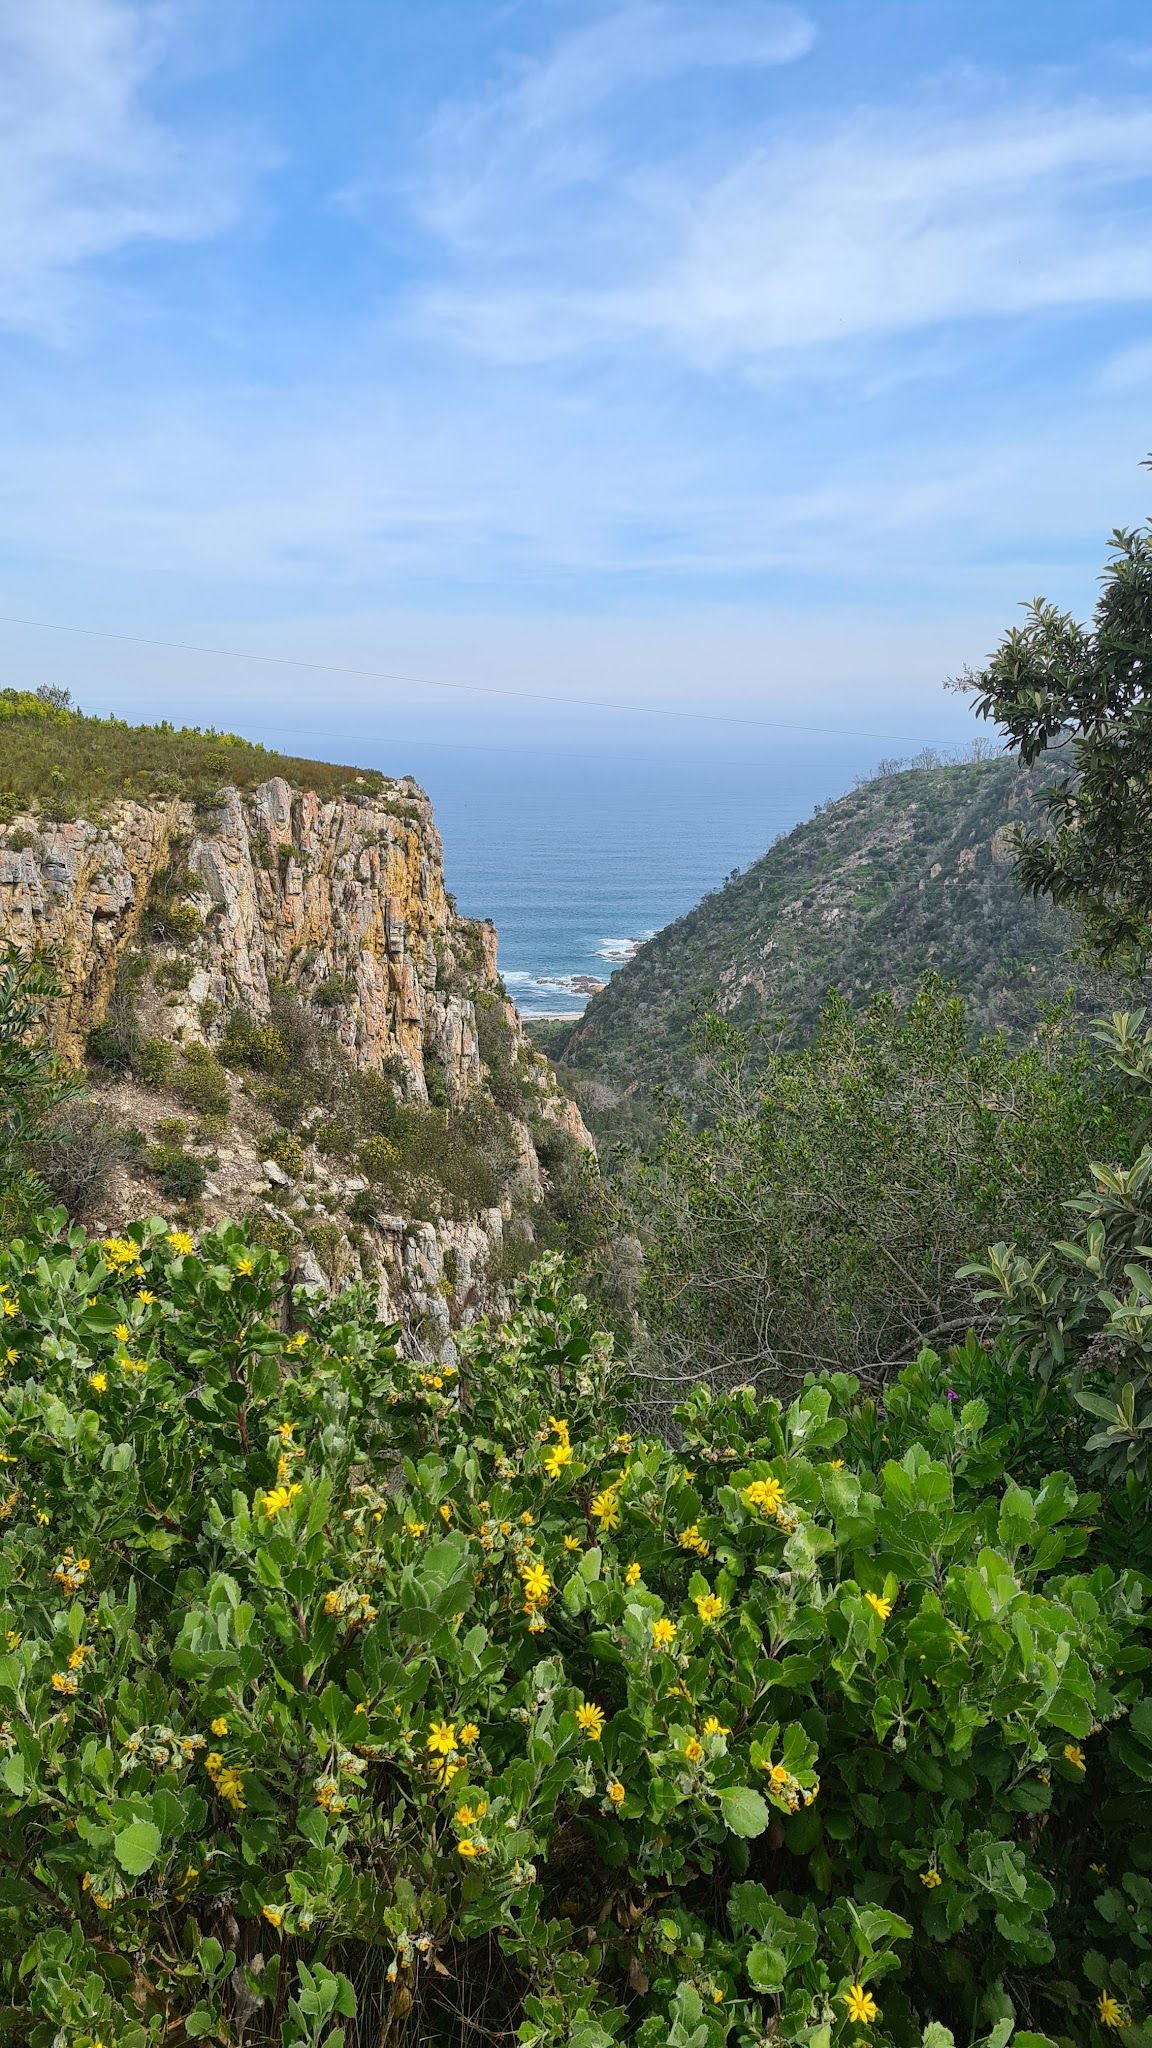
(819, 1211)
(1082, 695)
(911, 871)
(344, 1698)
(66, 763)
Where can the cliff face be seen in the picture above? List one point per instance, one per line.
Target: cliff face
(291, 891)
(215, 912)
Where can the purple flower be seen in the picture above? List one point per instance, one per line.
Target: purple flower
(952, 1394)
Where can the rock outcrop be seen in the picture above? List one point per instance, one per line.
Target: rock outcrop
(340, 902)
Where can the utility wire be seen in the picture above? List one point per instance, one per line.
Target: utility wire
(471, 689)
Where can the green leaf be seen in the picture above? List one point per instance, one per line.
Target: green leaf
(137, 1846)
(745, 1813)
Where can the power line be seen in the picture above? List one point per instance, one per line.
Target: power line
(471, 689)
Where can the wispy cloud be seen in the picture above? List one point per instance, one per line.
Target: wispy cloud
(86, 169)
(770, 238)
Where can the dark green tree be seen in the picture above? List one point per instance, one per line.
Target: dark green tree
(1079, 699)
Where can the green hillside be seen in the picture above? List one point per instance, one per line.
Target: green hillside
(64, 762)
(911, 871)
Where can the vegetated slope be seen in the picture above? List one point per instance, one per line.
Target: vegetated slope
(67, 762)
(910, 872)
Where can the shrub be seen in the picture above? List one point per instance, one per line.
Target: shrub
(823, 1207)
(202, 1084)
(287, 1152)
(334, 990)
(171, 1130)
(212, 1128)
(154, 1062)
(173, 974)
(377, 1158)
(77, 1153)
(438, 1702)
(180, 1173)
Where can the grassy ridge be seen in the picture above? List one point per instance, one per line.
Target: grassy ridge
(66, 762)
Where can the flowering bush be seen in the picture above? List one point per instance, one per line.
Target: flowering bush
(348, 1698)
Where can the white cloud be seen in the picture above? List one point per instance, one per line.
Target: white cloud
(86, 169)
(779, 241)
(545, 127)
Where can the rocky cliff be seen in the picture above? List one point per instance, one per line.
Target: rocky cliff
(264, 946)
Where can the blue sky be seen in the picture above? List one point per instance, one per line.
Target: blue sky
(747, 358)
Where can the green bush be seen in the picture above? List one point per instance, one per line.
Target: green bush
(202, 1083)
(287, 1152)
(154, 1062)
(378, 1158)
(180, 1173)
(334, 990)
(822, 1211)
(327, 1689)
(173, 974)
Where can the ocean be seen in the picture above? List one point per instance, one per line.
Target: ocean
(579, 855)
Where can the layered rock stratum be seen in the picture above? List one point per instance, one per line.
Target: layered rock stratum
(216, 910)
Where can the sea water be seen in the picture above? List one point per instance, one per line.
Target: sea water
(578, 855)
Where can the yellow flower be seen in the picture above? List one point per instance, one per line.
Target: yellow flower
(144, 1298)
(76, 1657)
(632, 1575)
(691, 1539)
(273, 1502)
(693, 1750)
(559, 1455)
(1110, 2011)
(1075, 1756)
(446, 1511)
(883, 1607)
(468, 1734)
(930, 1879)
(616, 1792)
(765, 1494)
(709, 1607)
(442, 1737)
(591, 1720)
(526, 1518)
(219, 1726)
(465, 1817)
(571, 1543)
(862, 2007)
(13, 1638)
(245, 1266)
(180, 1242)
(606, 1509)
(118, 1251)
(273, 1915)
(63, 1681)
(663, 1633)
(122, 1333)
(10, 1356)
(415, 1528)
(537, 1584)
(714, 1727)
(297, 1342)
(836, 1464)
(623, 1442)
(466, 1848)
(98, 1381)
